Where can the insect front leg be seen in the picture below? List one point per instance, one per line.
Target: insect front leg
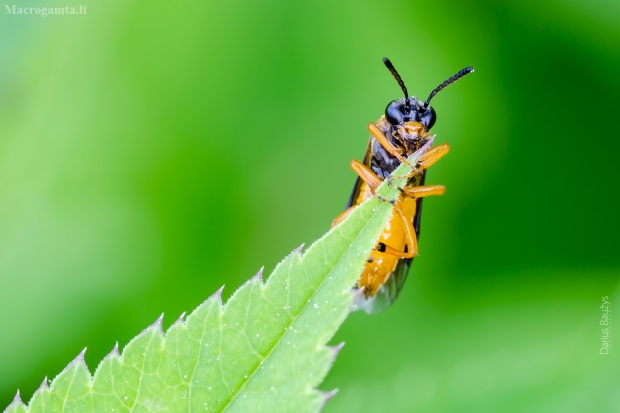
(427, 160)
(433, 155)
(387, 145)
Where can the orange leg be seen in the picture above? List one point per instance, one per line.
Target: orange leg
(422, 191)
(342, 216)
(415, 192)
(428, 159)
(412, 240)
(386, 249)
(368, 176)
(387, 145)
(433, 155)
(373, 181)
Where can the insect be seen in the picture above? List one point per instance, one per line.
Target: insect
(401, 131)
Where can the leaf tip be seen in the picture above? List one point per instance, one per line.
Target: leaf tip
(80, 358)
(43, 385)
(16, 401)
(157, 324)
(76, 361)
(298, 249)
(335, 350)
(417, 154)
(180, 320)
(216, 295)
(327, 395)
(113, 352)
(259, 276)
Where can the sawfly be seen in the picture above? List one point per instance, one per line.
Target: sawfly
(401, 131)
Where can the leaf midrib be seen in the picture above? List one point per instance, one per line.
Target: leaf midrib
(233, 398)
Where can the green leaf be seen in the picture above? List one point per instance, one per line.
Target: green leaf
(264, 351)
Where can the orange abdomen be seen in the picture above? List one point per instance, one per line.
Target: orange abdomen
(380, 265)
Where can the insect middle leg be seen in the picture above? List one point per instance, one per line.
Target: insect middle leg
(373, 181)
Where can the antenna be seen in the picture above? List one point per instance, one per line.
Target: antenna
(394, 73)
(453, 79)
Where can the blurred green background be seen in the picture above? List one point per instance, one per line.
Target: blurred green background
(121, 129)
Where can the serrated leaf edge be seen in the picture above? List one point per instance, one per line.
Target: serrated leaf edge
(17, 400)
(157, 325)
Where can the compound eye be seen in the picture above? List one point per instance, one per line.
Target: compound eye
(428, 117)
(396, 113)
